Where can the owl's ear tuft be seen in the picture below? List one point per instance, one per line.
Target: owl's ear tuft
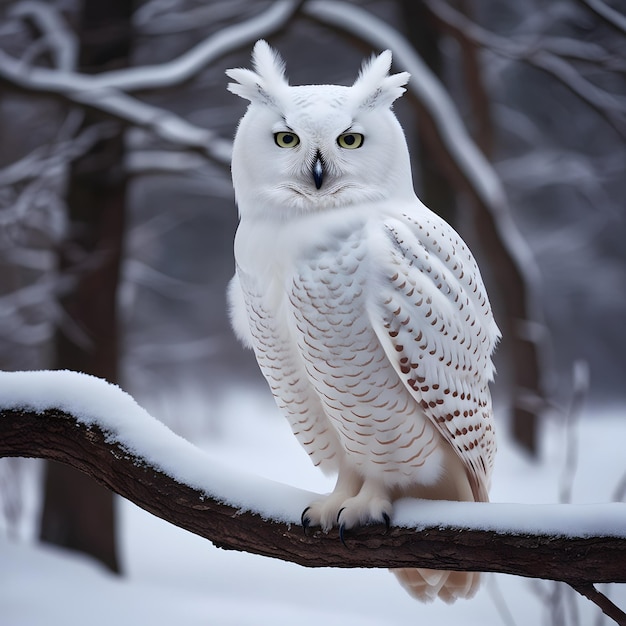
(268, 63)
(375, 87)
(266, 83)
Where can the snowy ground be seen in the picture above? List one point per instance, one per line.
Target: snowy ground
(175, 577)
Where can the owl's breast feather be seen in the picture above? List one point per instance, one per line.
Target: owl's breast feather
(269, 251)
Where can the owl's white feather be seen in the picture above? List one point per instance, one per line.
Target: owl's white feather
(237, 311)
(267, 83)
(366, 312)
(374, 87)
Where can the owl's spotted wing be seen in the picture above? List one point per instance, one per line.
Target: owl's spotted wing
(433, 318)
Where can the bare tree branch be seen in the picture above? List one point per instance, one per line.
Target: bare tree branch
(161, 17)
(600, 600)
(57, 39)
(47, 159)
(104, 91)
(178, 70)
(608, 14)
(77, 88)
(206, 52)
(580, 380)
(611, 107)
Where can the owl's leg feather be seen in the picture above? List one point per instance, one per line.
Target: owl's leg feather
(371, 505)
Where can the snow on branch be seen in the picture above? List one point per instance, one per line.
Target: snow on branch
(174, 72)
(607, 13)
(106, 91)
(203, 54)
(93, 426)
(77, 88)
(46, 160)
(57, 39)
(155, 17)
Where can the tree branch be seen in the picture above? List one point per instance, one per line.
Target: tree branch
(610, 15)
(101, 453)
(174, 72)
(77, 88)
(611, 107)
(189, 64)
(57, 39)
(106, 91)
(600, 600)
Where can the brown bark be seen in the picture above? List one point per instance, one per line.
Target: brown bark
(57, 435)
(610, 609)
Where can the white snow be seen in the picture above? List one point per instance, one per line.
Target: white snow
(558, 519)
(94, 401)
(174, 576)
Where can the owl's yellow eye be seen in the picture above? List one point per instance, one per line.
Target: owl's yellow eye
(286, 140)
(350, 141)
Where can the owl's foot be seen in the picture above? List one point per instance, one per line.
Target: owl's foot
(368, 507)
(371, 505)
(324, 513)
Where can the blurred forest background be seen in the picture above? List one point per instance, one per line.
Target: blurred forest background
(117, 213)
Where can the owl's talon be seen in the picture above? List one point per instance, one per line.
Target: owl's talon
(304, 520)
(342, 529)
(339, 513)
(387, 521)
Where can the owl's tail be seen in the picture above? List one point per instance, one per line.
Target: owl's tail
(428, 584)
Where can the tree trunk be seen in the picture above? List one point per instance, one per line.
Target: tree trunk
(435, 189)
(78, 513)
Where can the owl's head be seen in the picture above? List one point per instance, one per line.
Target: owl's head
(317, 147)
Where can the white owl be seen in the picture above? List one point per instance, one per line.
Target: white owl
(366, 311)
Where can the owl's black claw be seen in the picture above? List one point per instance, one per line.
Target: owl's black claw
(387, 522)
(342, 530)
(339, 513)
(342, 527)
(304, 519)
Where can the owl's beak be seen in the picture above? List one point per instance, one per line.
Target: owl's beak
(318, 172)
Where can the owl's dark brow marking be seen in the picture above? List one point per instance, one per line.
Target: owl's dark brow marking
(291, 130)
